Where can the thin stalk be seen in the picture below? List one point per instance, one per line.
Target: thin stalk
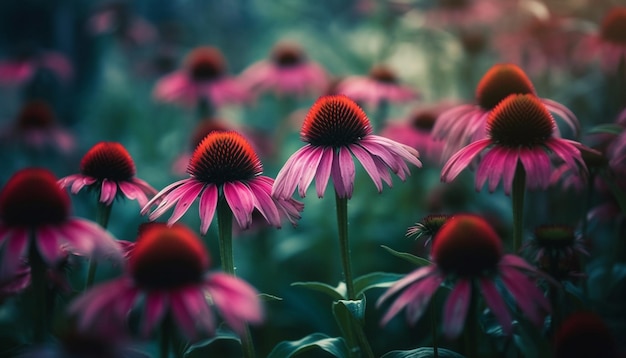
(517, 196)
(363, 342)
(472, 325)
(344, 244)
(103, 213)
(225, 232)
(40, 292)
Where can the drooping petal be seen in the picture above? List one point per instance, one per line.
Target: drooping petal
(310, 164)
(197, 304)
(161, 198)
(182, 316)
(48, 246)
(366, 160)
(261, 193)
(412, 277)
(289, 175)
(207, 206)
(88, 238)
(496, 304)
(456, 307)
(346, 171)
(108, 191)
(421, 297)
(236, 300)
(239, 198)
(192, 190)
(90, 304)
(323, 171)
(14, 253)
(461, 159)
(154, 310)
(527, 295)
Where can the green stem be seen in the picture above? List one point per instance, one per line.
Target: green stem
(519, 187)
(472, 325)
(103, 213)
(40, 292)
(344, 244)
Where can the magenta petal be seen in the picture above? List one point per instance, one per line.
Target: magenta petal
(185, 201)
(197, 304)
(368, 164)
(182, 316)
(484, 169)
(422, 297)
(48, 246)
(456, 307)
(154, 310)
(525, 294)
(289, 175)
(323, 171)
(207, 206)
(509, 168)
(90, 304)
(89, 238)
(108, 191)
(496, 304)
(412, 277)
(261, 193)
(236, 300)
(163, 198)
(240, 201)
(14, 253)
(309, 166)
(461, 159)
(563, 112)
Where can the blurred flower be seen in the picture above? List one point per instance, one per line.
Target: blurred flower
(520, 131)
(37, 127)
(381, 85)
(34, 210)
(23, 66)
(466, 123)
(116, 17)
(224, 166)
(584, 334)
(167, 272)
(335, 129)
(428, 227)
(608, 43)
(106, 167)
(287, 73)
(415, 131)
(447, 13)
(467, 252)
(202, 78)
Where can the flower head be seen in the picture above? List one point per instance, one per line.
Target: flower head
(381, 85)
(226, 166)
(287, 72)
(334, 130)
(466, 123)
(520, 132)
(32, 203)
(107, 167)
(468, 253)
(28, 61)
(168, 266)
(202, 78)
(584, 334)
(428, 227)
(609, 42)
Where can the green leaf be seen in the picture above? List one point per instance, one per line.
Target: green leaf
(609, 128)
(419, 261)
(348, 314)
(336, 293)
(333, 345)
(267, 297)
(375, 280)
(423, 352)
(530, 341)
(200, 349)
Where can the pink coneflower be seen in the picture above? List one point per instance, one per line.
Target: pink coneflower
(585, 334)
(287, 73)
(446, 13)
(117, 18)
(23, 67)
(107, 167)
(335, 129)
(468, 253)
(167, 272)
(34, 214)
(520, 131)
(464, 124)
(202, 78)
(609, 42)
(380, 85)
(36, 126)
(428, 227)
(224, 166)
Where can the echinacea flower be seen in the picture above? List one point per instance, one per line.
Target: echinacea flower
(520, 131)
(468, 254)
(36, 126)
(585, 334)
(335, 129)
(608, 43)
(287, 73)
(465, 123)
(428, 227)
(202, 78)
(34, 215)
(167, 272)
(23, 66)
(380, 85)
(108, 167)
(224, 167)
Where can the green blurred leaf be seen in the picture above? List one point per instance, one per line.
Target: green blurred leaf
(423, 352)
(608, 128)
(267, 297)
(333, 345)
(419, 261)
(375, 280)
(200, 349)
(336, 293)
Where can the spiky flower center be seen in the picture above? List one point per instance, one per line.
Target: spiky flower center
(520, 120)
(205, 64)
(108, 160)
(424, 120)
(335, 121)
(287, 55)
(382, 73)
(224, 157)
(501, 81)
(554, 236)
(204, 128)
(35, 115)
(466, 245)
(613, 27)
(429, 226)
(167, 257)
(31, 198)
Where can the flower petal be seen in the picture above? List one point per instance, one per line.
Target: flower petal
(207, 206)
(239, 198)
(456, 307)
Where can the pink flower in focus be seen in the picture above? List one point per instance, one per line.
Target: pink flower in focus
(107, 167)
(335, 129)
(467, 252)
(381, 85)
(167, 273)
(287, 73)
(202, 78)
(608, 43)
(36, 126)
(21, 68)
(224, 167)
(466, 123)
(520, 131)
(32, 205)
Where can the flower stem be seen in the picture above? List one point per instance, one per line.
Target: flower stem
(225, 232)
(519, 187)
(38, 282)
(472, 325)
(103, 213)
(166, 331)
(344, 244)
